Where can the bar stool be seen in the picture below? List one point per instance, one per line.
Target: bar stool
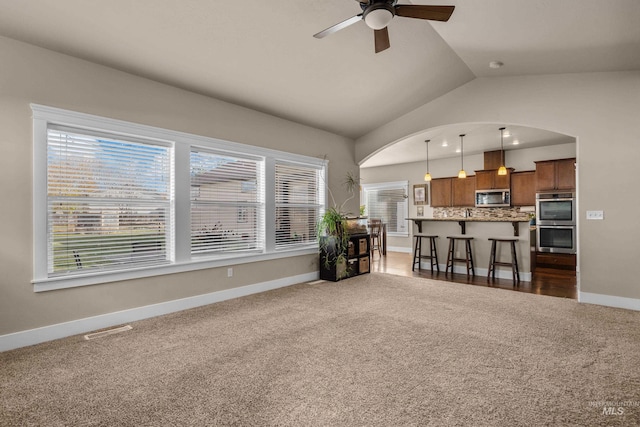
(514, 259)
(417, 251)
(451, 256)
(375, 232)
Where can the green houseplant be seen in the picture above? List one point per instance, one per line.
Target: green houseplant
(333, 232)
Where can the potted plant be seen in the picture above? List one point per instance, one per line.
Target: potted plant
(333, 231)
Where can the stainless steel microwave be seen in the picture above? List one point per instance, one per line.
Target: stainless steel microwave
(493, 198)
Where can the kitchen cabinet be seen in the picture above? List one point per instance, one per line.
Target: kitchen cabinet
(355, 262)
(523, 188)
(554, 175)
(492, 159)
(463, 191)
(441, 192)
(557, 261)
(490, 180)
(447, 192)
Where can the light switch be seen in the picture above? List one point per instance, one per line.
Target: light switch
(595, 214)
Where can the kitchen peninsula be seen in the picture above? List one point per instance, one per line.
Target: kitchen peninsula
(481, 228)
(462, 221)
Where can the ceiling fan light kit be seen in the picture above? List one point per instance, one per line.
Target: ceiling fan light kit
(377, 14)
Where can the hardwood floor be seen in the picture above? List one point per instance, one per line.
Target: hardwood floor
(545, 281)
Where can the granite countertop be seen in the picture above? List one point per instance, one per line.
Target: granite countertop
(471, 219)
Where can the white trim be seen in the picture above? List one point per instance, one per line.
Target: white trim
(79, 120)
(183, 143)
(53, 283)
(480, 272)
(402, 249)
(609, 300)
(389, 185)
(81, 326)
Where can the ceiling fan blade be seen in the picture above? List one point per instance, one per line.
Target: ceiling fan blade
(338, 26)
(381, 38)
(433, 13)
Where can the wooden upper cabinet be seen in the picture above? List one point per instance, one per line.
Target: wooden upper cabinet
(441, 192)
(463, 191)
(556, 175)
(523, 188)
(566, 174)
(490, 180)
(492, 159)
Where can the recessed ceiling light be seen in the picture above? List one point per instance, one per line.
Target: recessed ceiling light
(507, 134)
(444, 144)
(457, 150)
(516, 142)
(495, 64)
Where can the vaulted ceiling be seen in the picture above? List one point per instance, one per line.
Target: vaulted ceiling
(261, 54)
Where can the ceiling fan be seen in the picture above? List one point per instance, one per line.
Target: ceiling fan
(378, 13)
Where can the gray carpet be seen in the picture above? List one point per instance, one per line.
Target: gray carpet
(374, 350)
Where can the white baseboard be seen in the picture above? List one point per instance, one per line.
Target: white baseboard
(609, 300)
(399, 249)
(80, 326)
(461, 269)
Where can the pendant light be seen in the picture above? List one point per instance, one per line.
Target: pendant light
(462, 173)
(502, 170)
(427, 176)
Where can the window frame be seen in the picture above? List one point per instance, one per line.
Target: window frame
(386, 186)
(183, 143)
(258, 204)
(318, 203)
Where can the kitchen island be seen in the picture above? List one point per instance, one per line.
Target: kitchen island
(462, 221)
(481, 229)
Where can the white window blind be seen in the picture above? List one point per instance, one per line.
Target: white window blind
(227, 203)
(388, 201)
(299, 200)
(109, 202)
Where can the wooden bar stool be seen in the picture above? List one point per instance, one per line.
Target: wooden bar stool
(417, 251)
(375, 232)
(514, 259)
(451, 255)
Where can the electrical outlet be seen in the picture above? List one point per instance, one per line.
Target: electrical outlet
(595, 214)
(230, 272)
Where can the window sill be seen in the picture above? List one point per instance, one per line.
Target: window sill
(94, 278)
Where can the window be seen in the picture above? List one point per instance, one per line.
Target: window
(114, 200)
(109, 202)
(388, 201)
(227, 209)
(299, 199)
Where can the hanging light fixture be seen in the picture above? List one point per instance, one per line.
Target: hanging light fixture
(427, 176)
(502, 170)
(462, 173)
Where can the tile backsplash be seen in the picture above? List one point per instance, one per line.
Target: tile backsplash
(480, 213)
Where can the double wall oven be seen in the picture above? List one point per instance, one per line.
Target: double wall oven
(556, 222)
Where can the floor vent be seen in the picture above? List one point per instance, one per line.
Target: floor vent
(106, 332)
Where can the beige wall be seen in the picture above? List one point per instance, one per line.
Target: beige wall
(33, 75)
(601, 110)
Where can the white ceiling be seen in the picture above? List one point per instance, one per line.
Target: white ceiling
(444, 142)
(261, 54)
